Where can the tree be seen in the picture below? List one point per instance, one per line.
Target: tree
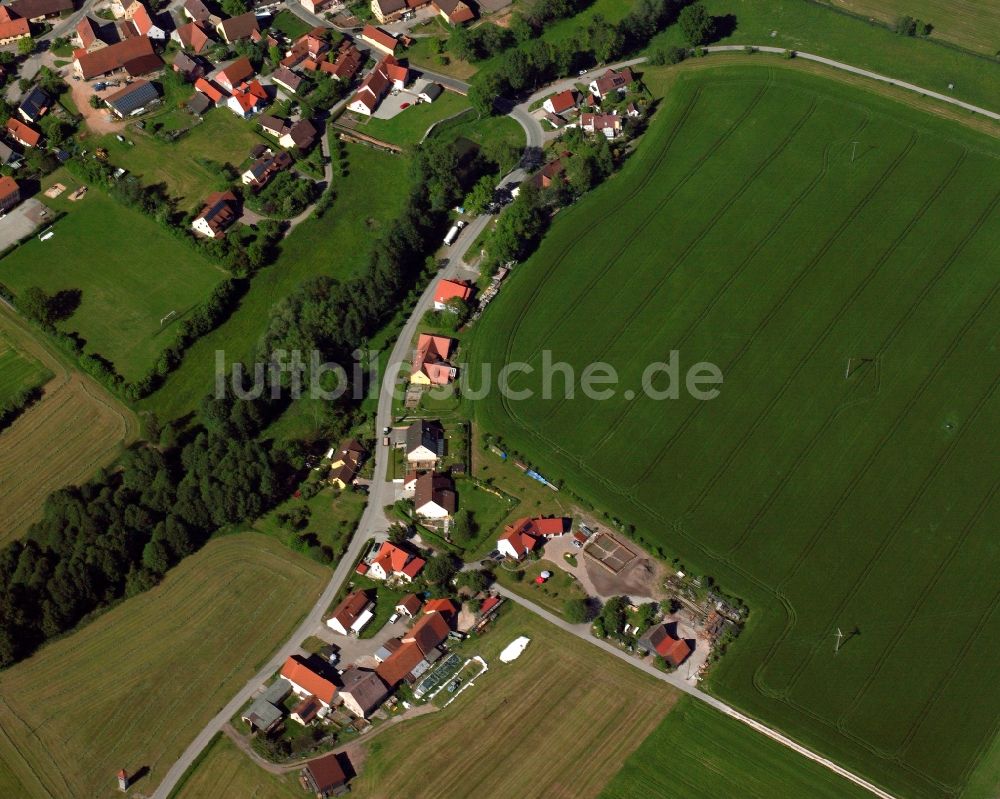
(94, 101)
(576, 611)
(234, 8)
(36, 304)
(475, 581)
(25, 46)
(463, 527)
(697, 25)
(398, 534)
(440, 569)
(613, 615)
(480, 196)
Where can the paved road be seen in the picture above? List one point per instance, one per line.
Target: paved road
(677, 680)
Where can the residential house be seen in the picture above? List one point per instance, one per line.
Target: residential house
(409, 606)
(301, 135)
(448, 290)
(247, 99)
(90, 34)
(286, 79)
(662, 640)
(379, 39)
(306, 711)
(550, 173)
(611, 81)
(406, 663)
(428, 633)
(362, 691)
(398, 74)
(324, 776)
(244, 26)
(12, 26)
(34, 105)
(555, 120)
(455, 12)
(525, 534)
(561, 102)
(373, 88)
(260, 172)
(199, 103)
(430, 362)
(434, 497)
(143, 21)
(345, 65)
(610, 125)
(133, 99)
(135, 56)
(264, 712)
(23, 134)
(194, 36)
(309, 45)
(446, 607)
(7, 156)
(40, 10)
(239, 71)
(316, 6)
(209, 90)
(424, 443)
(197, 11)
(305, 681)
(274, 126)
(189, 67)
(10, 193)
(388, 10)
(220, 211)
(430, 92)
(352, 614)
(393, 562)
(345, 463)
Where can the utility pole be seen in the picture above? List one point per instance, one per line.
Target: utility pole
(836, 646)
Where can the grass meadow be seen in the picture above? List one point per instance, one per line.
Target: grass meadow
(750, 231)
(408, 127)
(18, 371)
(372, 194)
(227, 773)
(131, 689)
(130, 274)
(699, 753)
(559, 721)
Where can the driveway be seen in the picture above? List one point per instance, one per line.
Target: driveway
(22, 221)
(361, 650)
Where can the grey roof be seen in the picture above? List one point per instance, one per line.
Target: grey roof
(265, 710)
(183, 61)
(133, 97)
(277, 691)
(432, 90)
(7, 155)
(199, 104)
(425, 432)
(365, 686)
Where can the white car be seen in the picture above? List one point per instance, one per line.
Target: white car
(393, 618)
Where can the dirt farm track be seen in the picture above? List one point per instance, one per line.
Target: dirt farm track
(75, 428)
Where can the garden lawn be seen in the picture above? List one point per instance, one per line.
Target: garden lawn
(481, 130)
(18, 371)
(565, 714)
(333, 517)
(336, 245)
(289, 24)
(699, 753)
(408, 127)
(552, 594)
(845, 476)
(132, 688)
(131, 273)
(189, 166)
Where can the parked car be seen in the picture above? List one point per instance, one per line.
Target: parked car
(393, 618)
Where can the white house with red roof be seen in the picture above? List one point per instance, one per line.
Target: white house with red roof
(143, 21)
(239, 71)
(430, 363)
(247, 99)
(611, 81)
(392, 562)
(379, 39)
(524, 535)
(307, 682)
(388, 75)
(449, 290)
(561, 102)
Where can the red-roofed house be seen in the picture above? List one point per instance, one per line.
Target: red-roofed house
(392, 562)
(515, 543)
(560, 103)
(194, 36)
(236, 73)
(445, 606)
(398, 74)
(10, 195)
(454, 11)
(143, 21)
(430, 363)
(25, 135)
(306, 682)
(379, 39)
(660, 640)
(523, 535)
(406, 663)
(136, 56)
(12, 26)
(450, 290)
(374, 87)
(247, 99)
(409, 605)
(210, 90)
(351, 615)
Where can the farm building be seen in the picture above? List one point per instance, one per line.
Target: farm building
(133, 98)
(352, 614)
(424, 443)
(264, 712)
(39, 10)
(134, 56)
(307, 682)
(450, 290)
(362, 691)
(663, 642)
(324, 776)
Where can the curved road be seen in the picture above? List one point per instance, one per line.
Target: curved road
(373, 522)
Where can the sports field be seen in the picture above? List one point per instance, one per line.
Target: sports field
(558, 721)
(132, 689)
(834, 254)
(18, 371)
(130, 273)
(699, 753)
(73, 430)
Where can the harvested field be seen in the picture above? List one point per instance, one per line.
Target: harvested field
(558, 721)
(64, 438)
(131, 689)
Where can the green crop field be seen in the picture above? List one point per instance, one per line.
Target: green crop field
(131, 689)
(699, 753)
(18, 371)
(337, 245)
(834, 254)
(130, 274)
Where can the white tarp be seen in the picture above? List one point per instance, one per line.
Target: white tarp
(361, 621)
(514, 649)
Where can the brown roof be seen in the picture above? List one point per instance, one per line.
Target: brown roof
(88, 31)
(353, 606)
(365, 687)
(347, 63)
(326, 773)
(194, 35)
(241, 27)
(238, 71)
(31, 9)
(428, 632)
(456, 11)
(219, 211)
(435, 488)
(134, 55)
(303, 135)
(197, 9)
(400, 663)
(286, 77)
(410, 603)
(307, 709)
(673, 650)
(15, 28)
(611, 80)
